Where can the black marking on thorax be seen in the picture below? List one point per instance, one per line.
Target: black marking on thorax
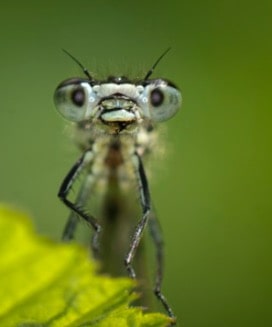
(114, 156)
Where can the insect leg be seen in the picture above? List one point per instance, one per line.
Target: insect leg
(65, 188)
(156, 234)
(82, 198)
(70, 227)
(145, 203)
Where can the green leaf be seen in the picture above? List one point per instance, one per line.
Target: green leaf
(43, 283)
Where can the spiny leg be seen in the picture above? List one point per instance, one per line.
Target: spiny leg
(65, 188)
(70, 227)
(156, 234)
(81, 200)
(145, 203)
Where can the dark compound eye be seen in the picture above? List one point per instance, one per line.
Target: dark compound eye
(156, 97)
(78, 97)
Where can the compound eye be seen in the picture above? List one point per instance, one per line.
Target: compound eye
(164, 100)
(71, 99)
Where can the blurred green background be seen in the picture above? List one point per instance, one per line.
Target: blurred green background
(213, 194)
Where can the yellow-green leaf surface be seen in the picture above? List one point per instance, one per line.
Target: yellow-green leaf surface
(43, 283)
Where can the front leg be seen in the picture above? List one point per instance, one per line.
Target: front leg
(82, 198)
(145, 203)
(156, 235)
(65, 188)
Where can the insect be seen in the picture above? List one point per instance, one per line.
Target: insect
(115, 121)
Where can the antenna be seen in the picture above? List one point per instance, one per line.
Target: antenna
(85, 70)
(151, 70)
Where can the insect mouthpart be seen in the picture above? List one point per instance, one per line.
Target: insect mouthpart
(117, 109)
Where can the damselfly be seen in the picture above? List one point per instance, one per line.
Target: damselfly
(115, 123)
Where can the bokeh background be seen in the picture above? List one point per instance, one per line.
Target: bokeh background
(213, 193)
